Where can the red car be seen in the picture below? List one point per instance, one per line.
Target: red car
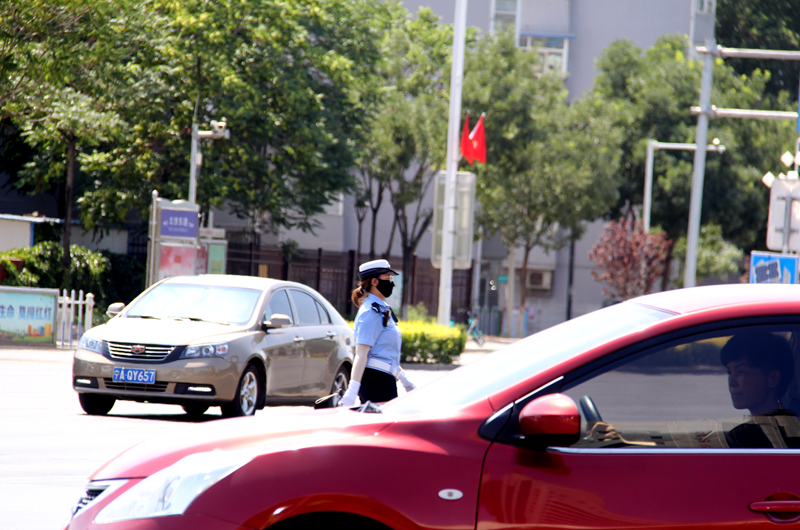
(673, 410)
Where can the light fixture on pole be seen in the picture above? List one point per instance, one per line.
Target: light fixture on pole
(219, 130)
(653, 145)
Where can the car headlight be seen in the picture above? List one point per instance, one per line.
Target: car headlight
(171, 490)
(206, 350)
(90, 343)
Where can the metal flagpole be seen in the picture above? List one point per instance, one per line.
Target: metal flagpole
(456, 75)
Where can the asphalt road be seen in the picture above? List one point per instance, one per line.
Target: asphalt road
(49, 446)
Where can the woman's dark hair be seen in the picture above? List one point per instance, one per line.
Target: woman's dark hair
(360, 292)
(764, 350)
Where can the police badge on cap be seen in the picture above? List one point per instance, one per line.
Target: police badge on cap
(374, 268)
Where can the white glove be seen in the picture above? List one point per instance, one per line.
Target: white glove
(408, 385)
(350, 396)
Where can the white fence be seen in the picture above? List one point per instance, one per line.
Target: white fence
(73, 318)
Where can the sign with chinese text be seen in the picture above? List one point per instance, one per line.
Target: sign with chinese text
(179, 224)
(27, 315)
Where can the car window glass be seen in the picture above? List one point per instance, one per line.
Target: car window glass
(279, 304)
(323, 314)
(307, 314)
(527, 357)
(728, 389)
(212, 303)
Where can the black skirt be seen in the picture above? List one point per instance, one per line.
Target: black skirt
(377, 386)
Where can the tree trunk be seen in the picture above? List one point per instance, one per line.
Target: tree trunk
(408, 276)
(388, 253)
(65, 257)
(667, 267)
(523, 289)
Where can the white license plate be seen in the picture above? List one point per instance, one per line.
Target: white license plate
(134, 375)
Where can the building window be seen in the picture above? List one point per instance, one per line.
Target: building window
(504, 15)
(705, 6)
(553, 50)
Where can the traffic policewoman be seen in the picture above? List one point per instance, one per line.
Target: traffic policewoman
(376, 368)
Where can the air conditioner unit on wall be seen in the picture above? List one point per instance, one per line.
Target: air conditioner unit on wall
(539, 280)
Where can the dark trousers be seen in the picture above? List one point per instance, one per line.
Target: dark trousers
(377, 386)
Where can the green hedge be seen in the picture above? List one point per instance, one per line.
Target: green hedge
(426, 342)
(431, 343)
(110, 277)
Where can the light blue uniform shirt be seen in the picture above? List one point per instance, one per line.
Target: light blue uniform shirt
(384, 342)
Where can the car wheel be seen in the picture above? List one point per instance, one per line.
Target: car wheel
(194, 409)
(341, 381)
(244, 404)
(96, 404)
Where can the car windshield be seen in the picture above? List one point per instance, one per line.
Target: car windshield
(212, 303)
(527, 357)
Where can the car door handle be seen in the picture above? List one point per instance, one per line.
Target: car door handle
(776, 506)
(298, 340)
(330, 334)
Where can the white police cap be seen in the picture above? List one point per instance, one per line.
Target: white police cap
(374, 268)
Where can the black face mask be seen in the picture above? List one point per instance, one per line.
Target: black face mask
(385, 287)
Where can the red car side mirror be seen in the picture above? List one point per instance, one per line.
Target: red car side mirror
(551, 420)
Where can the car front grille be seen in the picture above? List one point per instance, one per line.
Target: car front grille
(158, 386)
(139, 352)
(92, 492)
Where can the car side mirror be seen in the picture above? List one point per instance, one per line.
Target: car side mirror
(550, 421)
(115, 309)
(276, 321)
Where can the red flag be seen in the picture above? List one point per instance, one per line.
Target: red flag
(466, 145)
(477, 141)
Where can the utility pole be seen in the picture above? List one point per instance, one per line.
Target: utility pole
(653, 145)
(456, 76)
(705, 112)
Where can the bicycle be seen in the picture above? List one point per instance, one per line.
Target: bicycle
(474, 332)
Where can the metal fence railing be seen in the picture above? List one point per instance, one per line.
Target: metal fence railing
(73, 317)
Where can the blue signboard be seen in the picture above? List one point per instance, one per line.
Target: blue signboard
(771, 267)
(179, 223)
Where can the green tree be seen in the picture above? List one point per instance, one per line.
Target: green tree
(406, 145)
(289, 79)
(716, 257)
(59, 111)
(649, 94)
(762, 25)
(551, 167)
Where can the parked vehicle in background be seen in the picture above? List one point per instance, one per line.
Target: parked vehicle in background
(639, 415)
(237, 342)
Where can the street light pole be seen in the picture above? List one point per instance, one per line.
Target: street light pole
(219, 130)
(653, 145)
(456, 76)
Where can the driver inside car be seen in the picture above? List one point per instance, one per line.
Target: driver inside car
(760, 367)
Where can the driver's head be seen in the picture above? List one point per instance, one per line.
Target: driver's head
(760, 368)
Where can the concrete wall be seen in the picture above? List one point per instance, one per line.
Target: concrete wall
(598, 23)
(115, 241)
(15, 234)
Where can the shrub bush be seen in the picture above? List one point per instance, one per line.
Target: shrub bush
(110, 277)
(425, 342)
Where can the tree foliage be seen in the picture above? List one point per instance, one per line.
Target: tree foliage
(406, 145)
(649, 95)
(762, 25)
(551, 167)
(288, 77)
(631, 260)
(716, 257)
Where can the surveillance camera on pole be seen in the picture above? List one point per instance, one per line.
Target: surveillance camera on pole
(219, 130)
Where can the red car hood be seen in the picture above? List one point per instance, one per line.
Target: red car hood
(271, 430)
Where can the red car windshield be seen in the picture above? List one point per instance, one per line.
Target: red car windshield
(528, 356)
